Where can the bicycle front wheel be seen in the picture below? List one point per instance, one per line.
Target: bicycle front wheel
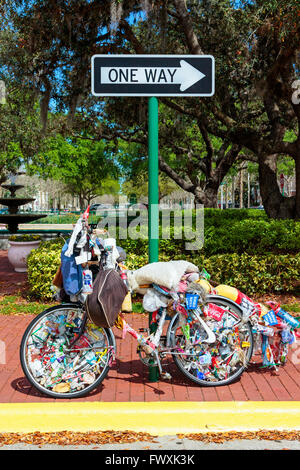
(62, 355)
(218, 363)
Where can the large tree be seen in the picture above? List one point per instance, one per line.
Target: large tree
(257, 65)
(20, 129)
(255, 45)
(86, 168)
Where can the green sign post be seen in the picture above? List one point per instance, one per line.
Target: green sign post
(153, 196)
(153, 191)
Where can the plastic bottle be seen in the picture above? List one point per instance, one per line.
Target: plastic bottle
(87, 287)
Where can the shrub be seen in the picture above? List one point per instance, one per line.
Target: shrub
(249, 273)
(242, 248)
(24, 238)
(42, 266)
(255, 274)
(253, 236)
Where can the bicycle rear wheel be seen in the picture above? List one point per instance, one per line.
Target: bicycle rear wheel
(62, 355)
(221, 362)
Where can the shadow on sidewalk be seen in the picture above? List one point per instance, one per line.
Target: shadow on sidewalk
(22, 385)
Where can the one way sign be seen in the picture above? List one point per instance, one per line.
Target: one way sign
(153, 75)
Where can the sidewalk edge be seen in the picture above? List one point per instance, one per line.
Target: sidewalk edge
(157, 418)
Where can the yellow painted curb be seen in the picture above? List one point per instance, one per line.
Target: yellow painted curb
(159, 418)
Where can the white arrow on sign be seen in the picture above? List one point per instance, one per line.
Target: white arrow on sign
(186, 75)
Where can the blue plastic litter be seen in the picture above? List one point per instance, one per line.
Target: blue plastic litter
(200, 375)
(71, 273)
(191, 301)
(270, 318)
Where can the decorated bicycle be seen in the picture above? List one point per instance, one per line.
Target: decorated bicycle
(68, 349)
(274, 330)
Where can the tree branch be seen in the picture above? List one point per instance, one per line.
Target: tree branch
(184, 184)
(129, 34)
(187, 26)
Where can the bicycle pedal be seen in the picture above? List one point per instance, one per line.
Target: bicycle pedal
(166, 376)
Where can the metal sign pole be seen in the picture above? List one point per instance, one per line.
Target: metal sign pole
(153, 196)
(153, 191)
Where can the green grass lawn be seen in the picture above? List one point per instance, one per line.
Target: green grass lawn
(293, 308)
(15, 305)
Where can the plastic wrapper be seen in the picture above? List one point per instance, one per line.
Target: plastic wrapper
(153, 300)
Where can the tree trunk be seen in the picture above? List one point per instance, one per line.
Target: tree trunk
(208, 197)
(81, 202)
(226, 195)
(276, 206)
(248, 190)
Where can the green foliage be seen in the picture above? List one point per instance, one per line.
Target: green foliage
(42, 266)
(224, 256)
(14, 305)
(253, 236)
(230, 232)
(251, 274)
(86, 168)
(24, 238)
(255, 274)
(20, 130)
(68, 218)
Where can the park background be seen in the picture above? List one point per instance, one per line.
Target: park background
(237, 153)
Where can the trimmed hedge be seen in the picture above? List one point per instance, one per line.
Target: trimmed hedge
(242, 248)
(251, 236)
(251, 274)
(256, 274)
(42, 265)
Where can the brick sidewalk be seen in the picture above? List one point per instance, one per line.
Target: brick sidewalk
(10, 281)
(128, 378)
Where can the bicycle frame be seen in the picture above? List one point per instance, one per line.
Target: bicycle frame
(151, 345)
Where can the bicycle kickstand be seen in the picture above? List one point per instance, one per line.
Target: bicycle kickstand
(164, 375)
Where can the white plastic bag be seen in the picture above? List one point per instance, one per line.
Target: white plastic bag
(153, 300)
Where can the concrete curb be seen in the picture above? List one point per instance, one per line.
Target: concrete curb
(163, 418)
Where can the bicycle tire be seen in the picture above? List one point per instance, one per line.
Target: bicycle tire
(29, 339)
(195, 374)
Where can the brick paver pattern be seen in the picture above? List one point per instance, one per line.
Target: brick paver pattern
(128, 378)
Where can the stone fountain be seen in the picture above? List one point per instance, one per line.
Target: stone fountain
(14, 217)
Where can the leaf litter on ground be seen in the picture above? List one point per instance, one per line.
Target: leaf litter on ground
(66, 438)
